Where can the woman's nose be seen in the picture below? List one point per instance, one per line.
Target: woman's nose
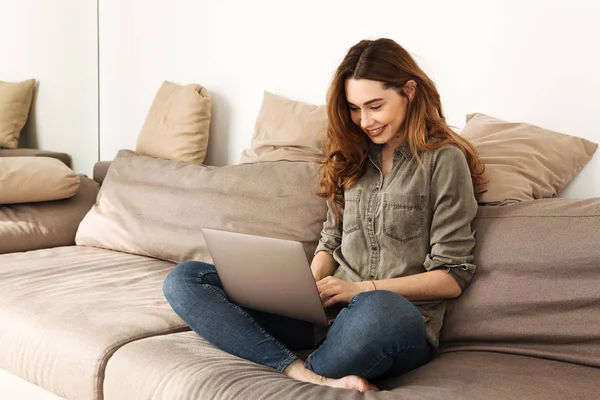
(365, 119)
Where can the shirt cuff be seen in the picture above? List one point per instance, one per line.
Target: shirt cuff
(462, 273)
(323, 247)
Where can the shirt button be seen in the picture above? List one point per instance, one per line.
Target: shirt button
(376, 189)
(370, 219)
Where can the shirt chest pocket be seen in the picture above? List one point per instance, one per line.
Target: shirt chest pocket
(403, 218)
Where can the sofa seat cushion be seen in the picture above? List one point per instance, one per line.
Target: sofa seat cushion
(494, 376)
(64, 311)
(31, 226)
(183, 366)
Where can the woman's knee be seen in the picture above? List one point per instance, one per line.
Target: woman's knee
(182, 274)
(389, 315)
(379, 324)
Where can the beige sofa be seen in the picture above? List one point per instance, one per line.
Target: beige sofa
(88, 319)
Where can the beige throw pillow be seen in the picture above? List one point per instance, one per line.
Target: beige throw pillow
(156, 208)
(522, 161)
(33, 179)
(287, 130)
(32, 226)
(177, 125)
(15, 102)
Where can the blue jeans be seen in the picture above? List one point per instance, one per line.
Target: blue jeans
(379, 333)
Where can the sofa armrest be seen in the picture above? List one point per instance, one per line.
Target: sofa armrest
(32, 226)
(64, 157)
(100, 170)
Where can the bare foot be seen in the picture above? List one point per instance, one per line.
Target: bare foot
(350, 382)
(297, 371)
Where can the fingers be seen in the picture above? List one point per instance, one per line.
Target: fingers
(331, 291)
(332, 300)
(329, 288)
(327, 293)
(325, 281)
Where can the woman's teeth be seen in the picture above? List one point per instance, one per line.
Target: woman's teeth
(376, 131)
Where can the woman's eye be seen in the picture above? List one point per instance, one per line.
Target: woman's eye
(353, 109)
(375, 108)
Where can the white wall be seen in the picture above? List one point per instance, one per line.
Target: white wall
(55, 42)
(533, 61)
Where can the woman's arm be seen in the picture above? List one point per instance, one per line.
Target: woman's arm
(322, 265)
(454, 207)
(437, 284)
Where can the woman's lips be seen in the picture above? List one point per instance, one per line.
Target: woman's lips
(376, 132)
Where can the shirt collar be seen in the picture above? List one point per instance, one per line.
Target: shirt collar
(403, 150)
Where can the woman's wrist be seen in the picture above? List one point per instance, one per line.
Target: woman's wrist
(366, 286)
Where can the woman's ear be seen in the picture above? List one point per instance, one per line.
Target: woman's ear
(410, 88)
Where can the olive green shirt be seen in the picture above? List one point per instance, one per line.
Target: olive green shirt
(411, 221)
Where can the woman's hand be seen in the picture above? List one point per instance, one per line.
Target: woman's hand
(338, 291)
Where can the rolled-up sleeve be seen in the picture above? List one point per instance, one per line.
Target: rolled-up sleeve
(454, 207)
(331, 235)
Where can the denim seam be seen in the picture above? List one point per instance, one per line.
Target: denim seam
(404, 350)
(307, 362)
(253, 322)
(202, 273)
(287, 362)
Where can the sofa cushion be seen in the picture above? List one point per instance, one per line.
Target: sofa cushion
(177, 125)
(33, 179)
(494, 376)
(522, 161)
(22, 152)
(184, 366)
(536, 287)
(155, 207)
(15, 102)
(287, 130)
(64, 311)
(33, 226)
(13, 387)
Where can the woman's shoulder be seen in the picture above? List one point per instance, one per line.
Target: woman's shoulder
(449, 154)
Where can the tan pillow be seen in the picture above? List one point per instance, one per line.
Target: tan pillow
(287, 130)
(15, 102)
(42, 225)
(154, 207)
(32, 179)
(177, 124)
(525, 162)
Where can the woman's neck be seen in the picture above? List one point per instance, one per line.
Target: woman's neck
(395, 142)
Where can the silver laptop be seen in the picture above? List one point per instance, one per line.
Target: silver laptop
(266, 274)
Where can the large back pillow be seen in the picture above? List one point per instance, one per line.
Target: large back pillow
(155, 207)
(535, 292)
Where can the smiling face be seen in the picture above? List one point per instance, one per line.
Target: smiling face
(378, 111)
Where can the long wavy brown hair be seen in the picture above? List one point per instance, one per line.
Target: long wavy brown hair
(385, 61)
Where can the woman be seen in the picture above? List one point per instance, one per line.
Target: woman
(396, 243)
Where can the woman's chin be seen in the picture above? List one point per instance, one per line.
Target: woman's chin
(378, 139)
